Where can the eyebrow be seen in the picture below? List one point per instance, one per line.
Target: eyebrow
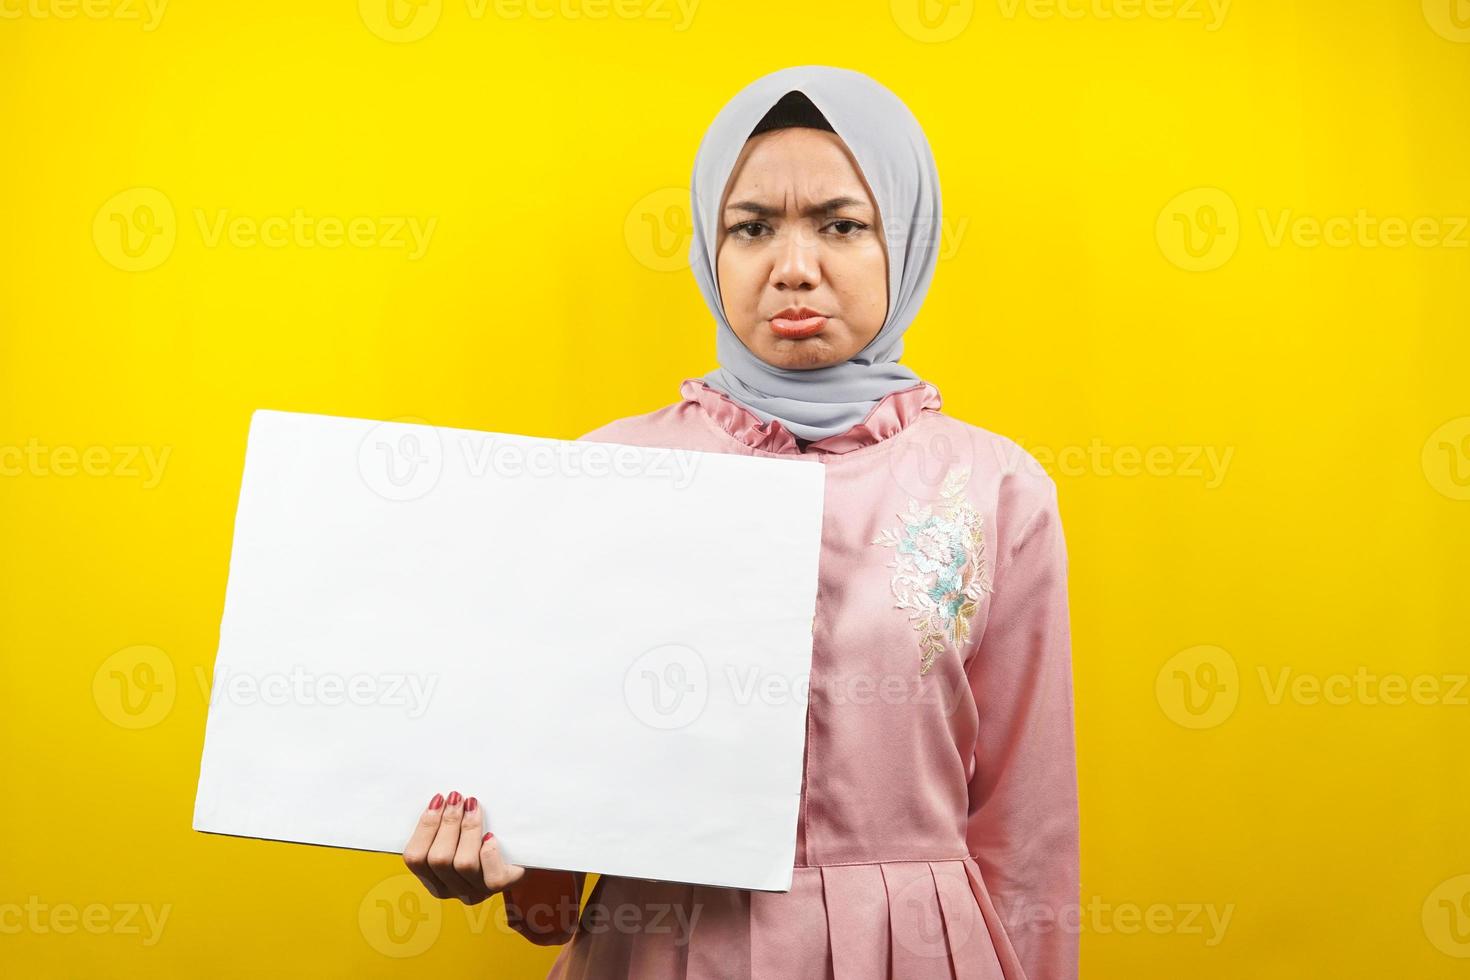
(826, 207)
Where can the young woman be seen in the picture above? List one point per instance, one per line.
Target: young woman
(938, 826)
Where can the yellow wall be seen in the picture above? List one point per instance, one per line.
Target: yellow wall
(1261, 431)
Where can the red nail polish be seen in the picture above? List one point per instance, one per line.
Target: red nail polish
(437, 801)
(470, 804)
(487, 836)
(454, 798)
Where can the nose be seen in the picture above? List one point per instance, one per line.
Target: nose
(797, 262)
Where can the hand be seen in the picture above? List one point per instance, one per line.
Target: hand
(452, 857)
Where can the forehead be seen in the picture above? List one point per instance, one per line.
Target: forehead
(795, 166)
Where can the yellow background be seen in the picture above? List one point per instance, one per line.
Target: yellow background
(1130, 191)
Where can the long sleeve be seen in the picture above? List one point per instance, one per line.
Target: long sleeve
(544, 905)
(1023, 822)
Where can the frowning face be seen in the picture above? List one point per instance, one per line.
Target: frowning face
(802, 265)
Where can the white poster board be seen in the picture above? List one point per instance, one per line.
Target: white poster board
(607, 645)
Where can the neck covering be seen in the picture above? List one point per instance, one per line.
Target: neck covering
(893, 155)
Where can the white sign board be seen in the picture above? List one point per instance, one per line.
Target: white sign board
(608, 645)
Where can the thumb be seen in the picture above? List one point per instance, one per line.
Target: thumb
(498, 874)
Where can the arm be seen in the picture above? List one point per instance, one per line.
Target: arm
(1023, 819)
(544, 905)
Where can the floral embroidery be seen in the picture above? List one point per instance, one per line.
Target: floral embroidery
(940, 571)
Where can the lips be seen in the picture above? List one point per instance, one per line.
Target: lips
(796, 322)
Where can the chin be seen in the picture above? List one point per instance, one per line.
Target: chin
(793, 355)
(802, 356)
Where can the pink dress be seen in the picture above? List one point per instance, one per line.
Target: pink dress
(938, 827)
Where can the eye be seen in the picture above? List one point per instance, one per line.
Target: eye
(851, 227)
(746, 230)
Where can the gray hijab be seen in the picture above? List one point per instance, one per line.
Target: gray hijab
(894, 157)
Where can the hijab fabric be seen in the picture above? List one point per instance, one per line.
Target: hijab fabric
(893, 155)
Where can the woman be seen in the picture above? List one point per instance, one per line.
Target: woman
(938, 827)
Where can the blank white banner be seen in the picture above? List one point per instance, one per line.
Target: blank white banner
(608, 645)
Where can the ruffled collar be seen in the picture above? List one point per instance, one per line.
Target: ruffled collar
(890, 416)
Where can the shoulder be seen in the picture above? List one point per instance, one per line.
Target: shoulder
(666, 426)
(1020, 492)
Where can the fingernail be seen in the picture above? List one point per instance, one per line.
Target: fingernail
(454, 798)
(487, 836)
(437, 801)
(470, 804)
